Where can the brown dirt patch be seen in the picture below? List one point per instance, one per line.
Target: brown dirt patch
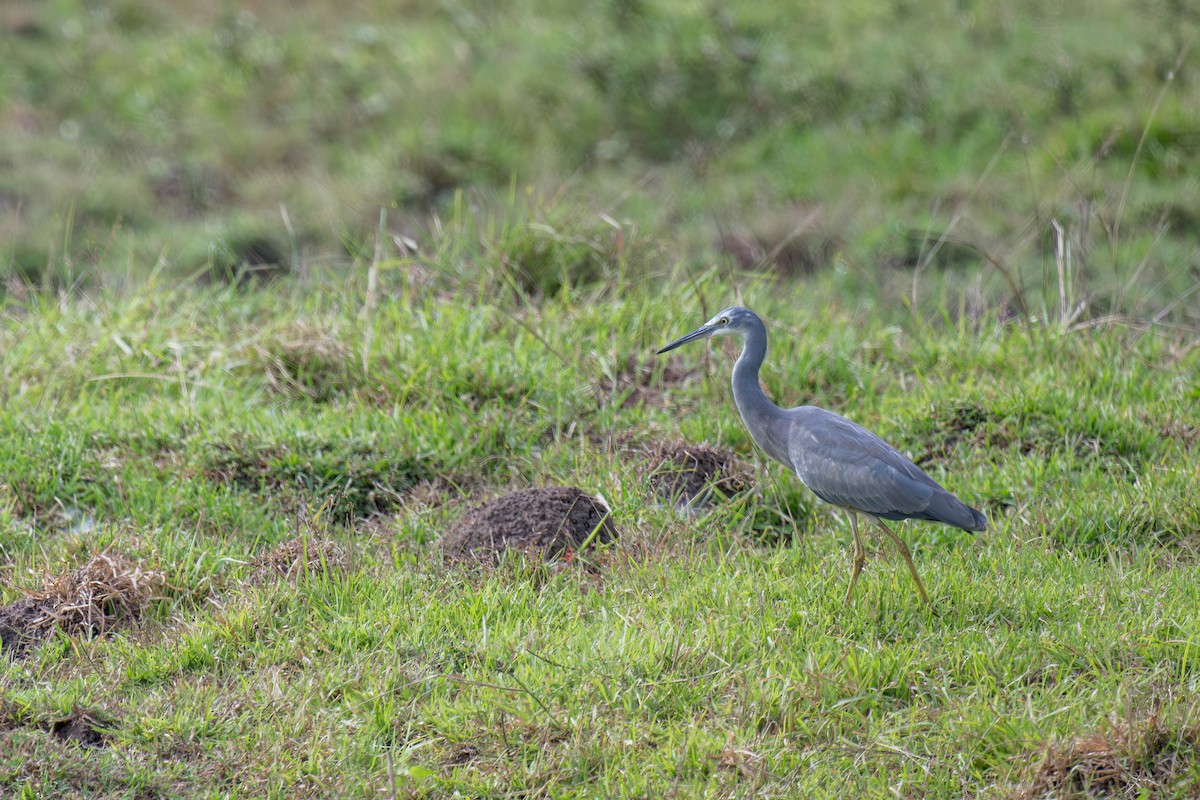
(20, 626)
(696, 476)
(639, 382)
(544, 522)
(1128, 759)
(296, 557)
(82, 727)
(107, 592)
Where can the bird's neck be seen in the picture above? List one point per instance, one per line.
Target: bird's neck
(765, 420)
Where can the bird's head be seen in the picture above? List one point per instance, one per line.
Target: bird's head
(734, 319)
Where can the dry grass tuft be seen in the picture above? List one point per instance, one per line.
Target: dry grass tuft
(301, 556)
(743, 763)
(1181, 430)
(107, 592)
(1126, 760)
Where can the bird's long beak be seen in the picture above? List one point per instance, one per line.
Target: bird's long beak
(699, 333)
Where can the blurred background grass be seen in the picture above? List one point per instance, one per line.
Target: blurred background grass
(874, 137)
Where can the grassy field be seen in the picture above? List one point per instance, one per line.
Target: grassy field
(191, 433)
(289, 290)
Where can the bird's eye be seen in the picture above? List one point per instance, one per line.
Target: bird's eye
(723, 321)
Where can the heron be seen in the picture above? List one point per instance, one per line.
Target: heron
(841, 462)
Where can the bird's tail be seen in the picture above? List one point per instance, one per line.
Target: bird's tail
(979, 519)
(947, 508)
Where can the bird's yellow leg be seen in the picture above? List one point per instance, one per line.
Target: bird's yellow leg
(860, 556)
(904, 551)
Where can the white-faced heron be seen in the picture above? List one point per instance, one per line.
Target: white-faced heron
(844, 464)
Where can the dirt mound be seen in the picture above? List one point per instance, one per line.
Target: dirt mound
(296, 557)
(693, 476)
(546, 522)
(108, 591)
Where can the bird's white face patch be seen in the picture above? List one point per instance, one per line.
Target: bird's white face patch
(720, 324)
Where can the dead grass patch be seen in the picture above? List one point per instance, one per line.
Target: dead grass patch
(1184, 431)
(746, 764)
(696, 476)
(108, 592)
(437, 491)
(1126, 759)
(301, 556)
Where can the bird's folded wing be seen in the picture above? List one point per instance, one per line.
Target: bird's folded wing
(847, 465)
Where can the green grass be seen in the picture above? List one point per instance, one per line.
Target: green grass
(707, 655)
(297, 280)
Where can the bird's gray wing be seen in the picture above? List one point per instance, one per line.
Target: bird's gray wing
(847, 465)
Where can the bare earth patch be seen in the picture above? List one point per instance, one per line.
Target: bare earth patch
(107, 592)
(21, 626)
(543, 522)
(695, 476)
(296, 557)
(82, 727)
